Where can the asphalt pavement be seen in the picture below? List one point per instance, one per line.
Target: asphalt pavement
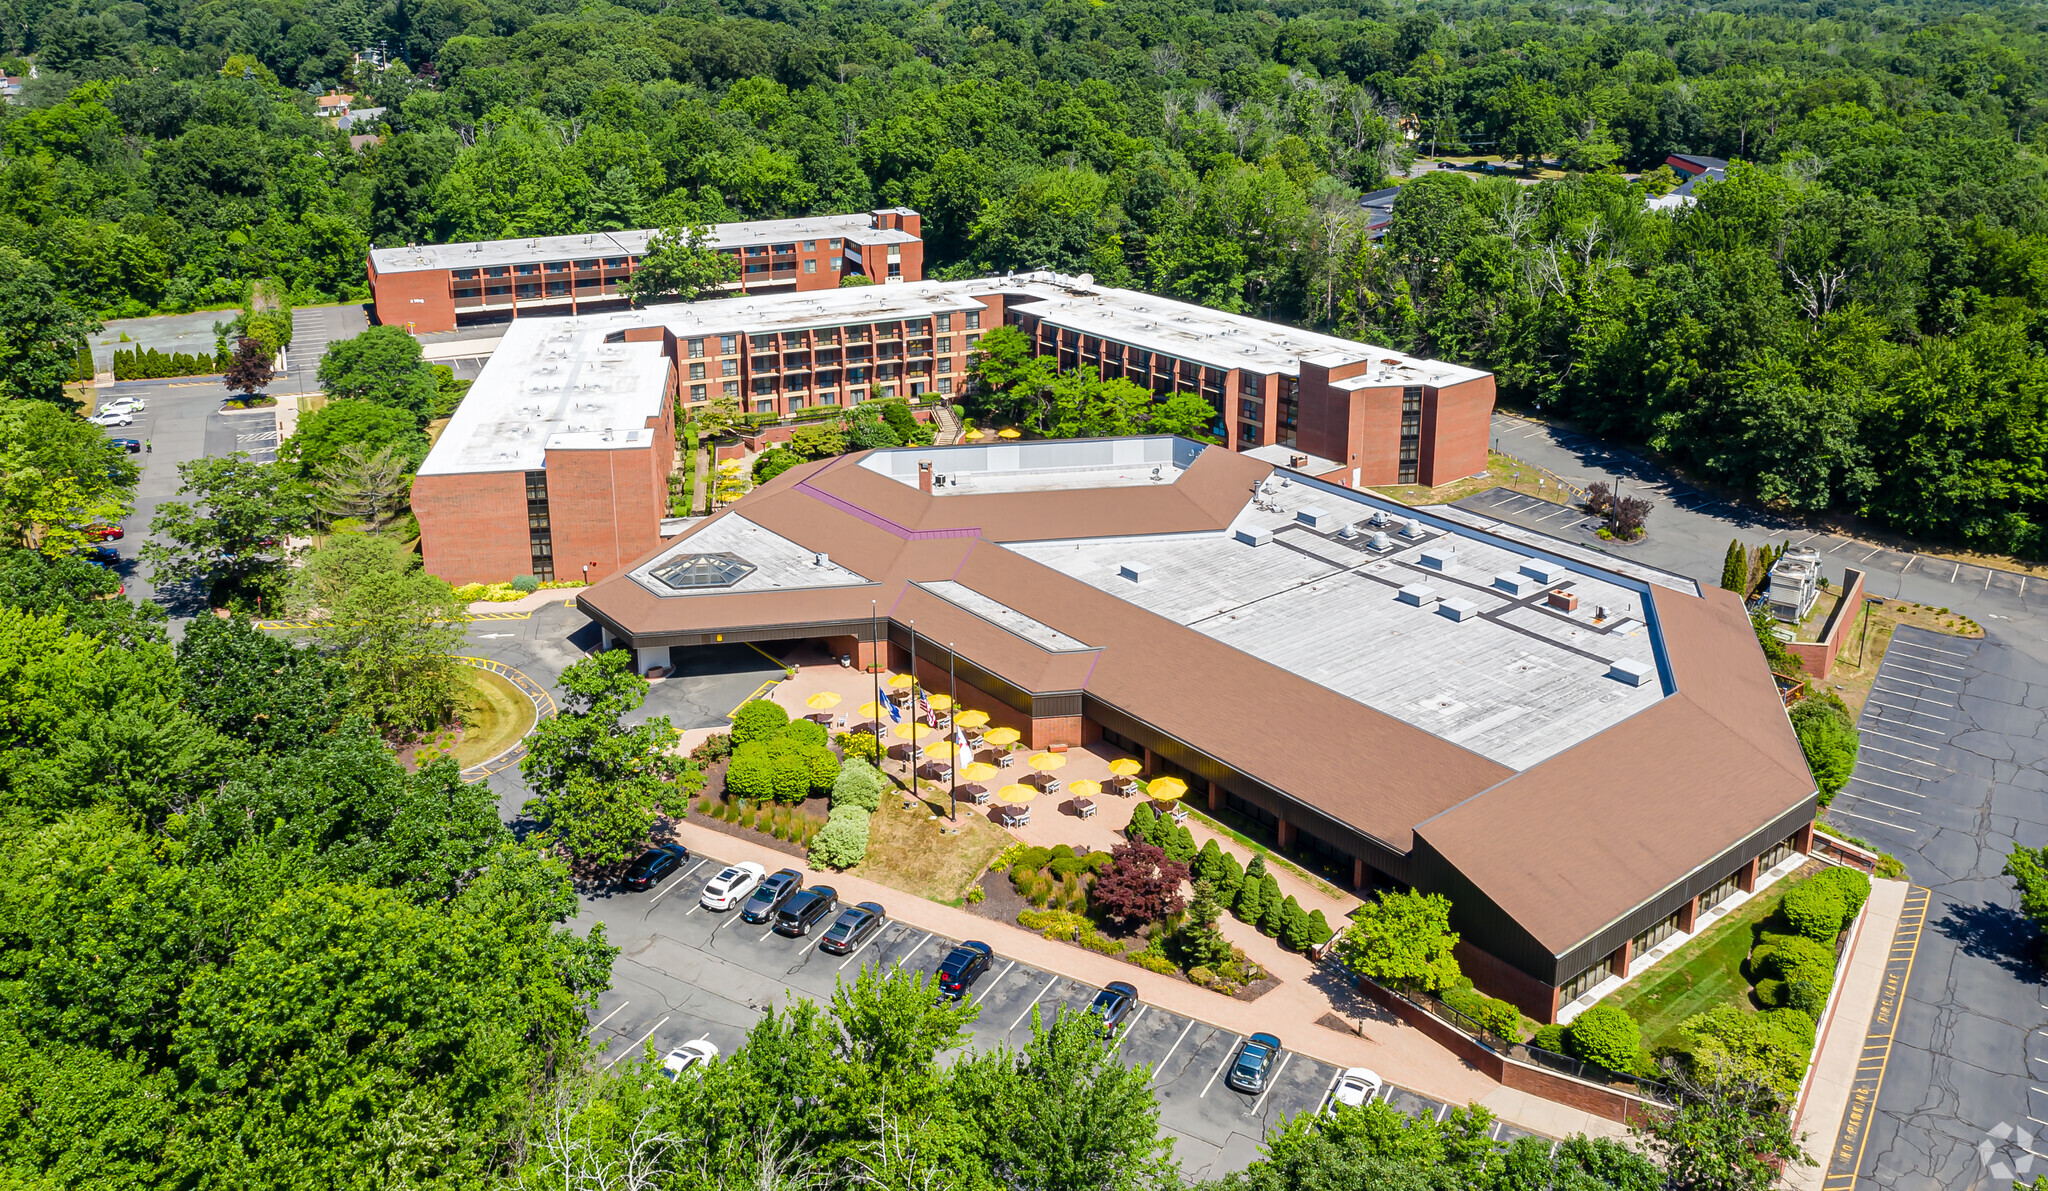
(684, 973)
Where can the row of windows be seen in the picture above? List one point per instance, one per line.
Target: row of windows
(623, 262)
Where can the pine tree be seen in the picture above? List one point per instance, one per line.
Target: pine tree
(1735, 568)
(1272, 907)
(1251, 891)
(1208, 864)
(1294, 928)
(1229, 879)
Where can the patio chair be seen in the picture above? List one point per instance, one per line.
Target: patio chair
(1084, 808)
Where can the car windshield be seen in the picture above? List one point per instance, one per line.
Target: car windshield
(1252, 1059)
(643, 864)
(1105, 1002)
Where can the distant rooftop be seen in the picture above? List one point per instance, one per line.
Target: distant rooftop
(1040, 465)
(1449, 630)
(1005, 617)
(526, 250)
(733, 554)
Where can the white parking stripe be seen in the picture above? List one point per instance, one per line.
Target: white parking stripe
(1034, 1002)
(1946, 690)
(1930, 649)
(1902, 756)
(1921, 744)
(634, 1049)
(679, 880)
(1176, 1046)
(1886, 805)
(1911, 777)
(914, 950)
(1228, 1055)
(1128, 1027)
(863, 946)
(1271, 1081)
(1893, 722)
(1835, 810)
(1329, 1092)
(1872, 554)
(1916, 711)
(990, 986)
(607, 1017)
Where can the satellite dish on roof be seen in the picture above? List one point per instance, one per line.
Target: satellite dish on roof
(1085, 280)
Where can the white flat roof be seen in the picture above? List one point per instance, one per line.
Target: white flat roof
(1041, 465)
(1517, 682)
(554, 384)
(528, 250)
(770, 561)
(760, 313)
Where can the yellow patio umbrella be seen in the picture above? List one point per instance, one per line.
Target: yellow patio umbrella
(1007, 432)
(1003, 737)
(977, 771)
(1125, 767)
(1046, 762)
(1017, 792)
(943, 750)
(1165, 789)
(822, 701)
(939, 702)
(973, 435)
(874, 711)
(902, 682)
(1084, 788)
(913, 731)
(971, 719)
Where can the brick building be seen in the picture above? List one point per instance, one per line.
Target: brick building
(435, 287)
(1349, 412)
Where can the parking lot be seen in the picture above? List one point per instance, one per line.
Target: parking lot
(685, 973)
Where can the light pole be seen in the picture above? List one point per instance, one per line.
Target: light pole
(953, 750)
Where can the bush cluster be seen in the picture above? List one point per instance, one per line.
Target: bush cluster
(1495, 1016)
(1605, 1036)
(843, 842)
(1053, 878)
(496, 593)
(776, 758)
(1823, 906)
(1248, 891)
(150, 364)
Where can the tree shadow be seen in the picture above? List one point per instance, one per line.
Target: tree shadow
(1998, 933)
(1336, 982)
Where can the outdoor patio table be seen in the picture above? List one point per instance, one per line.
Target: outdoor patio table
(974, 793)
(1084, 807)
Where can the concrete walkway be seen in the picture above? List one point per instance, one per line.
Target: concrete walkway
(1398, 1052)
(1840, 1046)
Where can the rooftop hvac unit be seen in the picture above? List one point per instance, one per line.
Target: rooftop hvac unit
(1347, 531)
(1381, 541)
(1136, 572)
(1545, 572)
(1631, 671)
(1379, 518)
(1515, 584)
(1422, 595)
(1316, 517)
(1457, 609)
(1412, 528)
(1255, 535)
(821, 559)
(1438, 558)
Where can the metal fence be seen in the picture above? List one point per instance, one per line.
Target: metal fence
(1522, 1052)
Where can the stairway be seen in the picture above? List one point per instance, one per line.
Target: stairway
(949, 426)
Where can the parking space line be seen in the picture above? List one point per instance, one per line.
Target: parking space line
(1916, 711)
(1886, 805)
(1229, 1053)
(863, 947)
(1902, 740)
(914, 950)
(1833, 810)
(1126, 1031)
(679, 880)
(1880, 785)
(607, 1017)
(1331, 1091)
(1034, 1002)
(1932, 649)
(1285, 1059)
(1946, 690)
(990, 987)
(1176, 1046)
(1911, 777)
(1895, 723)
(1871, 555)
(637, 1045)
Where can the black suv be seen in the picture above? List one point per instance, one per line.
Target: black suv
(770, 896)
(963, 966)
(804, 908)
(1254, 1064)
(852, 928)
(1114, 1006)
(654, 864)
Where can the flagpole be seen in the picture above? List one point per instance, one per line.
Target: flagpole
(952, 709)
(875, 665)
(911, 759)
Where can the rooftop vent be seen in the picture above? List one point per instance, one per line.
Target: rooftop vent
(1252, 535)
(1347, 531)
(1515, 583)
(1631, 671)
(1381, 541)
(1411, 528)
(1317, 518)
(1438, 558)
(1545, 572)
(1422, 595)
(1136, 572)
(1457, 609)
(821, 559)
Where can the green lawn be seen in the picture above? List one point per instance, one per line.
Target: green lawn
(1704, 973)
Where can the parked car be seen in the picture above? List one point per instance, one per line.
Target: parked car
(854, 926)
(690, 1056)
(131, 445)
(1254, 1063)
(804, 909)
(101, 556)
(112, 417)
(1114, 1005)
(732, 885)
(770, 896)
(963, 966)
(104, 533)
(654, 864)
(1355, 1087)
(126, 405)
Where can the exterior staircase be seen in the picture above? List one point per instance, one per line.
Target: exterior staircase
(949, 426)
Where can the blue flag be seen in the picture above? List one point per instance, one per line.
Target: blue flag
(895, 716)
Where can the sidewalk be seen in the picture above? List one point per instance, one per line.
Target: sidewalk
(1840, 1046)
(1398, 1052)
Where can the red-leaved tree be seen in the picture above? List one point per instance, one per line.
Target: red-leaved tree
(1140, 884)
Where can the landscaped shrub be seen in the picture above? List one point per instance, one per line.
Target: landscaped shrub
(1495, 1016)
(1180, 845)
(1208, 863)
(751, 774)
(858, 784)
(1251, 891)
(758, 719)
(843, 841)
(862, 745)
(716, 745)
(1854, 887)
(1768, 1048)
(1550, 1038)
(1607, 1036)
(1815, 910)
(1319, 929)
(823, 764)
(1792, 952)
(808, 733)
(1770, 993)
(1142, 821)
(1230, 879)
(1272, 907)
(792, 777)
(1152, 961)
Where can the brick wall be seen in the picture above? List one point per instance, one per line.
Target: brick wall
(1456, 423)
(604, 507)
(1820, 655)
(1496, 978)
(473, 527)
(421, 301)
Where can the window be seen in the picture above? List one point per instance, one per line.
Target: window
(728, 368)
(1248, 383)
(945, 343)
(558, 266)
(1582, 983)
(895, 251)
(696, 372)
(832, 243)
(470, 292)
(529, 289)
(543, 546)
(764, 407)
(945, 383)
(536, 487)
(757, 268)
(557, 288)
(703, 570)
(810, 245)
(726, 344)
(762, 343)
(465, 274)
(1653, 936)
(835, 264)
(526, 270)
(1247, 434)
(972, 340)
(582, 265)
(810, 266)
(784, 249)
(495, 290)
(696, 392)
(498, 271)
(945, 363)
(1778, 853)
(732, 388)
(895, 270)
(1720, 891)
(696, 348)
(615, 262)
(945, 322)
(974, 320)
(588, 283)
(537, 520)
(1250, 410)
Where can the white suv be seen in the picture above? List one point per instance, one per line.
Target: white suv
(131, 405)
(112, 417)
(732, 885)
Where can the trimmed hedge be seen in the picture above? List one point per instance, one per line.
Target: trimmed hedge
(1607, 1036)
(858, 784)
(1493, 1015)
(1853, 886)
(1816, 910)
(758, 719)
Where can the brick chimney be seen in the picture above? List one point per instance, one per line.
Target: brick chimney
(924, 476)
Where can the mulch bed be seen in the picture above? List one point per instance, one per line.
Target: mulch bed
(749, 834)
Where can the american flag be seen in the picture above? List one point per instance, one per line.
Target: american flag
(924, 708)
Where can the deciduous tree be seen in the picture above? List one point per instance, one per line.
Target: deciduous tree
(1403, 938)
(599, 783)
(1140, 885)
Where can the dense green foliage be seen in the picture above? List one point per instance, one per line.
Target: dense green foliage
(600, 783)
(1860, 304)
(1829, 739)
(1607, 1036)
